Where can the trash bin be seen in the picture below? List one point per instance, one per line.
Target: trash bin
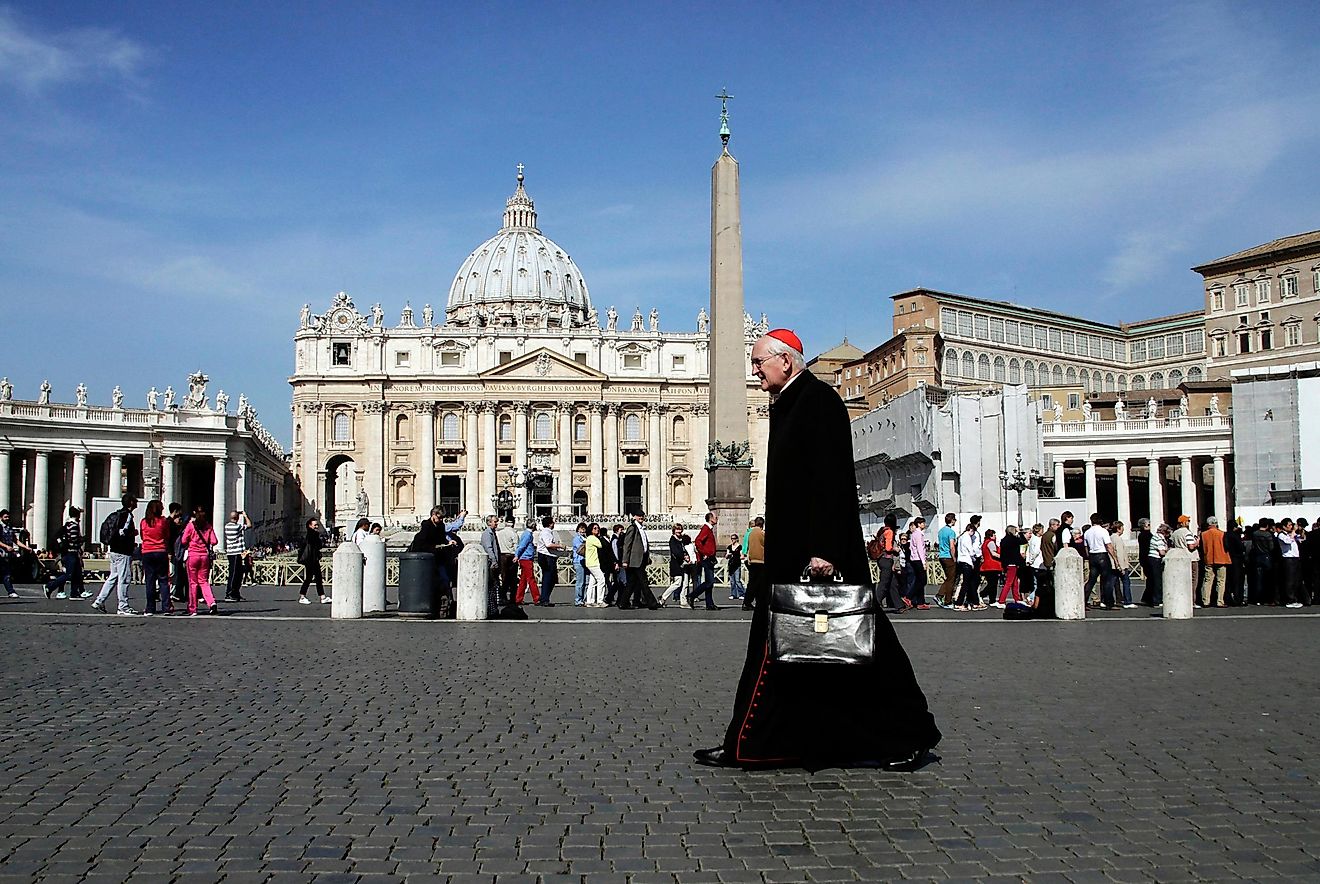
(417, 596)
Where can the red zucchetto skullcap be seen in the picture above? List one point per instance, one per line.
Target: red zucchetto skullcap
(783, 334)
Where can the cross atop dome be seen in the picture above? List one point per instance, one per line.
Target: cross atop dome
(519, 210)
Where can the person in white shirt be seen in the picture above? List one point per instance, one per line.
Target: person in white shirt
(1103, 560)
(969, 551)
(548, 548)
(1290, 586)
(1035, 558)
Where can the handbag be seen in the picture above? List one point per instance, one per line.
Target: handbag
(822, 622)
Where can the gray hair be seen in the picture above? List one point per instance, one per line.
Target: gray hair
(776, 346)
(1143, 524)
(1212, 521)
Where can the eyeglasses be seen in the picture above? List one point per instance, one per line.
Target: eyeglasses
(758, 361)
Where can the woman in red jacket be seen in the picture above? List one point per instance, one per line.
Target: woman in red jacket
(992, 568)
(155, 536)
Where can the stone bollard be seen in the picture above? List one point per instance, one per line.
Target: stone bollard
(373, 574)
(1069, 597)
(1178, 589)
(346, 603)
(473, 578)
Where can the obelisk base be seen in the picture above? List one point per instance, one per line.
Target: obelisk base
(730, 490)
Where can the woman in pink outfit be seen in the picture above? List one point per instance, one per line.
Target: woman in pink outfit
(198, 538)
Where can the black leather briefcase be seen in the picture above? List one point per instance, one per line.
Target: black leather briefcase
(822, 623)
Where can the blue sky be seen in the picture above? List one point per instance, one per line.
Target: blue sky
(178, 178)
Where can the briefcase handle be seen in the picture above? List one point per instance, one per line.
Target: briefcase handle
(806, 576)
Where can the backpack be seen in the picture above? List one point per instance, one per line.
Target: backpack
(180, 550)
(110, 527)
(874, 548)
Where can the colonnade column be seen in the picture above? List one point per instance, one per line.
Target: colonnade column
(1058, 477)
(116, 481)
(220, 497)
(488, 444)
(520, 411)
(167, 480)
(1221, 490)
(595, 501)
(425, 497)
(471, 458)
(1188, 489)
(40, 500)
(78, 491)
(612, 459)
(655, 502)
(1156, 490)
(1124, 503)
(1091, 495)
(4, 483)
(566, 453)
(240, 486)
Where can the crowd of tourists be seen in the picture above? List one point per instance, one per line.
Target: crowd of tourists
(1266, 563)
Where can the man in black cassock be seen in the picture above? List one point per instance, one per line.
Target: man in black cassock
(817, 714)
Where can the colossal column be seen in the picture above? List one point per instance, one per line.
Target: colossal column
(4, 482)
(728, 460)
(655, 492)
(612, 459)
(425, 498)
(489, 443)
(471, 450)
(311, 460)
(520, 410)
(566, 454)
(40, 500)
(595, 501)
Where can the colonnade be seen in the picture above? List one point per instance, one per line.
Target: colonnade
(1189, 483)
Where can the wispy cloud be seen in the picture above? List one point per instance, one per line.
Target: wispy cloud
(34, 62)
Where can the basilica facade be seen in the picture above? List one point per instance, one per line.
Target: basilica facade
(521, 398)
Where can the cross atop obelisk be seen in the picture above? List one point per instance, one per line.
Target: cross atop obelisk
(724, 97)
(728, 456)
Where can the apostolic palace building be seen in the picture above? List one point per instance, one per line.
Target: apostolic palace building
(521, 388)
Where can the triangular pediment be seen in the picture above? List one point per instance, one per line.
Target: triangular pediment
(542, 365)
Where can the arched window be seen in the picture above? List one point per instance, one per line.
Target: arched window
(1056, 375)
(1175, 378)
(968, 365)
(1109, 382)
(983, 367)
(1031, 374)
(632, 428)
(680, 430)
(544, 427)
(1001, 369)
(951, 363)
(297, 433)
(1014, 372)
(1193, 375)
(506, 428)
(1086, 380)
(1122, 383)
(342, 428)
(580, 503)
(1138, 382)
(580, 428)
(1072, 376)
(449, 427)
(1157, 381)
(402, 428)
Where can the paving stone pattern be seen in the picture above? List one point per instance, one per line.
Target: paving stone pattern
(312, 750)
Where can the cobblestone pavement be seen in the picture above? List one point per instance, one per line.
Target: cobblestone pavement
(248, 749)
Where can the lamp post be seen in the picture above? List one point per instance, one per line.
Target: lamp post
(1018, 481)
(517, 478)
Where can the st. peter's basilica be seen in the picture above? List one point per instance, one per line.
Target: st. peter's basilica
(521, 398)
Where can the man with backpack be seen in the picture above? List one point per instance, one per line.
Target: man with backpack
(68, 542)
(882, 550)
(119, 535)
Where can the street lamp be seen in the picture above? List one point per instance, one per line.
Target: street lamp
(1019, 481)
(516, 478)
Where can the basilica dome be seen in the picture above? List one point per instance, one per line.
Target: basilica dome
(517, 271)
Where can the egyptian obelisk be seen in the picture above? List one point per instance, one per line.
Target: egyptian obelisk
(728, 458)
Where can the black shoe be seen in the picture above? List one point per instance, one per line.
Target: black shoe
(912, 761)
(747, 606)
(712, 607)
(692, 602)
(654, 607)
(624, 606)
(213, 610)
(713, 757)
